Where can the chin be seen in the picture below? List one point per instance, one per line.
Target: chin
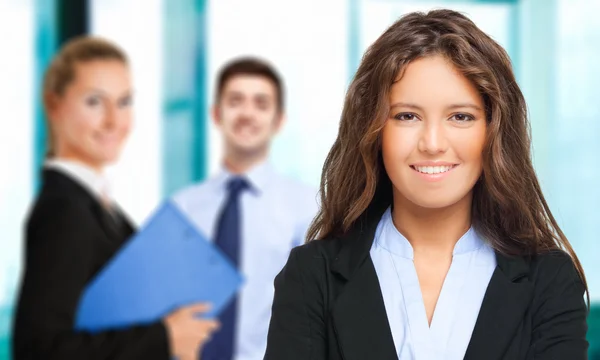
(105, 159)
(109, 161)
(436, 201)
(249, 148)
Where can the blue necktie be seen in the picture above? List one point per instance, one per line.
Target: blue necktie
(228, 239)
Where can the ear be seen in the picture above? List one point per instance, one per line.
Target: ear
(280, 120)
(52, 106)
(216, 116)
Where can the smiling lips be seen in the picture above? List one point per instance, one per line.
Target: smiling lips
(107, 138)
(433, 172)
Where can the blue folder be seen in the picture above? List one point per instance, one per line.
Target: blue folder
(167, 264)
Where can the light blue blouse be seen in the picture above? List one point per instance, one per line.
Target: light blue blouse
(473, 263)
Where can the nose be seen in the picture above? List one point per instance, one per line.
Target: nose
(248, 110)
(433, 138)
(111, 117)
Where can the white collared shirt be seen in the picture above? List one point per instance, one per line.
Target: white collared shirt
(276, 213)
(96, 183)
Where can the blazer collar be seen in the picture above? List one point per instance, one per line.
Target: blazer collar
(505, 302)
(60, 184)
(359, 316)
(357, 242)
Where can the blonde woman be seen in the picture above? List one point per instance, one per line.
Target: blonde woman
(74, 227)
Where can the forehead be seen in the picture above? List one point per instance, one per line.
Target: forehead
(107, 75)
(433, 80)
(249, 85)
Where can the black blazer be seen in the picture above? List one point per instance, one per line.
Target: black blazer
(328, 305)
(69, 237)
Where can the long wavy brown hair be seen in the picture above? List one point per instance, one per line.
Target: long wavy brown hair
(508, 209)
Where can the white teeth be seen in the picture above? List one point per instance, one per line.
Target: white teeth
(433, 169)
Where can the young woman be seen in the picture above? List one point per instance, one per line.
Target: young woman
(74, 227)
(434, 240)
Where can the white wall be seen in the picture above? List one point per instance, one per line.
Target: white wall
(16, 134)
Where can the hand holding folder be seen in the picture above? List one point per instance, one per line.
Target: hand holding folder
(167, 264)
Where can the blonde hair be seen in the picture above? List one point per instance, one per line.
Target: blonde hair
(61, 71)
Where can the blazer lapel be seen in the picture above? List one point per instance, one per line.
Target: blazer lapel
(358, 314)
(107, 224)
(127, 224)
(58, 182)
(507, 298)
(360, 320)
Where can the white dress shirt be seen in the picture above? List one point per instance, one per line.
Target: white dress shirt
(276, 212)
(457, 308)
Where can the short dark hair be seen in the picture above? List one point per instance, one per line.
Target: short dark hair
(254, 67)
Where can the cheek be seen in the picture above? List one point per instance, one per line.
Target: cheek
(125, 130)
(83, 122)
(227, 117)
(396, 145)
(269, 122)
(126, 124)
(469, 146)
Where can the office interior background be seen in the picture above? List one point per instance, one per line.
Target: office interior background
(177, 46)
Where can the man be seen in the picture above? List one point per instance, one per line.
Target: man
(254, 214)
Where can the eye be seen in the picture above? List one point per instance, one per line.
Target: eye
(263, 105)
(93, 101)
(462, 117)
(126, 102)
(405, 117)
(234, 100)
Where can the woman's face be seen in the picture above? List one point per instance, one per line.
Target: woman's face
(92, 119)
(432, 141)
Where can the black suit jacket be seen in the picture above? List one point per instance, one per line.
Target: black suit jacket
(69, 237)
(328, 305)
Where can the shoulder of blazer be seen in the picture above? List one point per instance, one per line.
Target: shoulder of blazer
(345, 253)
(548, 261)
(56, 183)
(59, 195)
(539, 269)
(546, 272)
(315, 254)
(552, 267)
(312, 264)
(50, 208)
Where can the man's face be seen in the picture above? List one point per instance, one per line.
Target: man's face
(248, 113)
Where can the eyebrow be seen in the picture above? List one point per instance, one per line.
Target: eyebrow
(258, 96)
(449, 107)
(262, 97)
(232, 93)
(126, 93)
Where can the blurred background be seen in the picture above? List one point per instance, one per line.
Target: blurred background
(176, 47)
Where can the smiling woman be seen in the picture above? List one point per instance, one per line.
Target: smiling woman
(91, 118)
(436, 132)
(75, 228)
(434, 239)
